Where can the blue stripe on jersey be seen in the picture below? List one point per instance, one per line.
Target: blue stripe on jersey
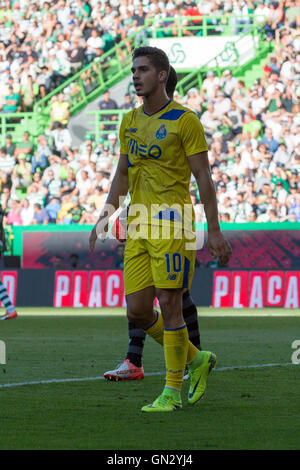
(186, 271)
(128, 162)
(172, 115)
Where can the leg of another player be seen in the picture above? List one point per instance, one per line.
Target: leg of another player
(10, 309)
(132, 368)
(190, 316)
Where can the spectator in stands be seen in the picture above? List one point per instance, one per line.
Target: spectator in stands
(269, 140)
(208, 86)
(26, 212)
(127, 102)
(68, 185)
(274, 20)
(11, 101)
(93, 42)
(53, 207)
(59, 65)
(7, 162)
(228, 83)
(21, 174)
(40, 215)
(60, 111)
(13, 216)
(75, 213)
(62, 139)
(76, 56)
(236, 117)
(241, 96)
(52, 185)
(253, 126)
(210, 120)
(41, 155)
(107, 103)
(25, 146)
(10, 147)
(193, 101)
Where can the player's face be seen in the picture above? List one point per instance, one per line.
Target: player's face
(145, 77)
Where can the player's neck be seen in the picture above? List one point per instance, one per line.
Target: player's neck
(154, 103)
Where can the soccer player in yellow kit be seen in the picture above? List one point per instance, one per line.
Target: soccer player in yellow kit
(131, 368)
(162, 142)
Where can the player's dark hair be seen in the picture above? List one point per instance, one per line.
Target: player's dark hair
(171, 82)
(157, 57)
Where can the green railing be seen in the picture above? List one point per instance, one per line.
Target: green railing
(191, 79)
(225, 25)
(87, 84)
(80, 88)
(99, 121)
(16, 123)
(195, 78)
(92, 80)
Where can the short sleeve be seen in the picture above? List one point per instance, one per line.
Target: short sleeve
(123, 146)
(192, 134)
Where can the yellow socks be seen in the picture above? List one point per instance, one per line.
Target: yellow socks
(176, 344)
(178, 350)
(156, 329)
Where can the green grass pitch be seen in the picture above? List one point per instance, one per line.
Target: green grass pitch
(243, 408)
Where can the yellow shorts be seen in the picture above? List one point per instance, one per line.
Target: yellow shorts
(163, 263)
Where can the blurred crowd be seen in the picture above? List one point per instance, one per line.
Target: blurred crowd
(253, 134)
(44, 42)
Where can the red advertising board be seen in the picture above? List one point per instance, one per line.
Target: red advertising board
(256, 289)
(92, 289)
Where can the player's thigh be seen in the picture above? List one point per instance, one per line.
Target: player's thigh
(137, 266)
(172, 263)
(140, 307)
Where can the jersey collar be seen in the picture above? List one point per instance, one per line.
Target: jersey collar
(158, 110)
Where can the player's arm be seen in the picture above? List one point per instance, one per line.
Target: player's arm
(195, 147)
(119, 189)
(218, 245)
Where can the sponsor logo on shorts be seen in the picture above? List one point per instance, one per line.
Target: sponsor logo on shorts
(171, 277)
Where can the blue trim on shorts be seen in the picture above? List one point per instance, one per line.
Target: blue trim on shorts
(157, 314)
(186, 271)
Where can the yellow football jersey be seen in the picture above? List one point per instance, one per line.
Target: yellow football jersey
(157, 147)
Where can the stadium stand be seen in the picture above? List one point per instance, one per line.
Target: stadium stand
(251, 115)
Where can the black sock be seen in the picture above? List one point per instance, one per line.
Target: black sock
(190, 315)
(136, 344)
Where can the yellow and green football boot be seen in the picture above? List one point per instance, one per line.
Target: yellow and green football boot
(199, 370)
(167, 401)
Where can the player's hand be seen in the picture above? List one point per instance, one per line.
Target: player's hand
(93, 239)
(219, 247)
(99, 231)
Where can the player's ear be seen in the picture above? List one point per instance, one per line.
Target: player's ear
(163, 76)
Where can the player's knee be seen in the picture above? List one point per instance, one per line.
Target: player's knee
(140, 307)
(138, 313)
(169, 300)
(139, 317)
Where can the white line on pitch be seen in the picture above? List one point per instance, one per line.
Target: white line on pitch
(148, 374)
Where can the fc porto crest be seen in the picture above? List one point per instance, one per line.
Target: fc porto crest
(161, 132)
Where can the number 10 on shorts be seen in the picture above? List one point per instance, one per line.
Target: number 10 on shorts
(173, 262)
